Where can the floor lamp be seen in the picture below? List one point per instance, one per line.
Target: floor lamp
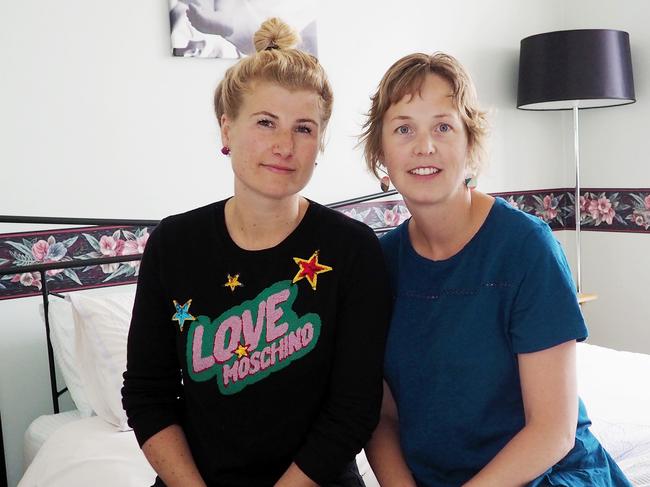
(574, 70)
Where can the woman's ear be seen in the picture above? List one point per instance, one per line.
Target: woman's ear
(224, 123)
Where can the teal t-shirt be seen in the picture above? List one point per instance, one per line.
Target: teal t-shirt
(451, 358)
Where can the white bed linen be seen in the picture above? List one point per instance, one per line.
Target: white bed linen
(613, 384)
(615, 389)
(89, 452)
(41, 429)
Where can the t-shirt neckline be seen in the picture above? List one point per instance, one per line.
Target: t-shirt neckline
(472, 241)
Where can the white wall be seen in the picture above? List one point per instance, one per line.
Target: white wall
(614, 145)
(88, 89)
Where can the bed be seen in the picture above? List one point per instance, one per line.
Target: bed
(93, 445)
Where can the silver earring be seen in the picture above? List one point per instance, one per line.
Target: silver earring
(384, 184)
(471, 182)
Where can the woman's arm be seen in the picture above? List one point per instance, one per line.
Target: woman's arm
(383, 450)
(549, 391)
(152, 394)
(170, 456)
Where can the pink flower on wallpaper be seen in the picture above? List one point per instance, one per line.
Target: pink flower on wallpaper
(641, 220)
(49, 251)
(584, 206)
(601, 210)
(647, 202)
(549, 208)
(110, 247)
(28, 279)
(391, 217)
(135, 246)
(39, 250)
(513, 203)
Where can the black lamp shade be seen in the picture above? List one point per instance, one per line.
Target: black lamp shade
(586, 68)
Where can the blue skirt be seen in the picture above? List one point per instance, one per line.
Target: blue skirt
(587, 464)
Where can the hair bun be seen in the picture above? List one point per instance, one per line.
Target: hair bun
(275, 34)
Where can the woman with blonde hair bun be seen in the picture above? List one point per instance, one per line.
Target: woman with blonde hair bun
(257, 336)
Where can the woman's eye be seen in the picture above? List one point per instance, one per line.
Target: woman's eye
(403, 129)
(304, 129)
(265, 122)
(444, 127)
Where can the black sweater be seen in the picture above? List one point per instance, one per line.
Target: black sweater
(263, 357)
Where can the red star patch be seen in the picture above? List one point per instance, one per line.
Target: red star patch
(310, 269)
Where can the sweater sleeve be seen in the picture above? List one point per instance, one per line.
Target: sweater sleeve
(351, 409)
(152, 391)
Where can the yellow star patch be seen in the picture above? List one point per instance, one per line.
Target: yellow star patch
(310, 268)
(241, 351)
(182, 313)
(233, 282)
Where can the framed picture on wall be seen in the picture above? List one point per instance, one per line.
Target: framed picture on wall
(225, 28)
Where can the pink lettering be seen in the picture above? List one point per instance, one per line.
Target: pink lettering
(230, 373)
(265, 362)
(294, 342)
(252, 334)
(222, 352)
(273, 314)
(285, 347)
(306, 334)
(255, 362)
(244, 367)
(276, 349)
(199, 364)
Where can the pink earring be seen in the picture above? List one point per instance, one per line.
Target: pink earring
(225, 150)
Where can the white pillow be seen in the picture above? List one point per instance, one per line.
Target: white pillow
(102, 327)
(62, 336)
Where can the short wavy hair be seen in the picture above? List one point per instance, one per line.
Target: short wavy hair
(405, 77)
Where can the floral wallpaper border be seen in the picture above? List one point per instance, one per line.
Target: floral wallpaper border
(28, 248)
(601, 209)
(609, 210)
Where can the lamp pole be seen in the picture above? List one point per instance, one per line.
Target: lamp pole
(576, 154)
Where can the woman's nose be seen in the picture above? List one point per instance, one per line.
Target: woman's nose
(424, 145)
(283, 144)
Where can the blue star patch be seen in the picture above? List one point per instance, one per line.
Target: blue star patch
(182, 313)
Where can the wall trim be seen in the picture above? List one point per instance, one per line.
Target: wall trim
(602, 210)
